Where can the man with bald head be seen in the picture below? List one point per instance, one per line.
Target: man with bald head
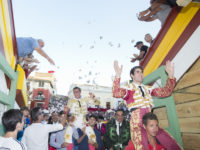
(26, 46)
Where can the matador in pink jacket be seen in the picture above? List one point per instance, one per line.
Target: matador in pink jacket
(139, 102)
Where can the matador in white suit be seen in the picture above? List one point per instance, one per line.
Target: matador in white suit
(78, 107)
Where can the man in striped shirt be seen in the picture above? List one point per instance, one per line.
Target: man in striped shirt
(13, 122)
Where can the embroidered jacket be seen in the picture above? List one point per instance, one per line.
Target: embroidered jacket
(133, 94)
(112, 139)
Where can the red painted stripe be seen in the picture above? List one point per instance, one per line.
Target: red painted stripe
(12, 24)
(170, 19)
(192, 26)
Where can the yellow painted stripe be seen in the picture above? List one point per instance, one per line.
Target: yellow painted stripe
(21, 84)
(173, 34)
(13, 63)
(5, 27)
(21, 77)
(24, 93)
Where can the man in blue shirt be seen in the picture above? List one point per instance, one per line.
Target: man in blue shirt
(57, 138)
(26, 46)
(25, 112)
(82, 142)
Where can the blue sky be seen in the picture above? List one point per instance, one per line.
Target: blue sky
(71, 27)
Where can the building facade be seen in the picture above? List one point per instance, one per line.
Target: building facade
(42, 87)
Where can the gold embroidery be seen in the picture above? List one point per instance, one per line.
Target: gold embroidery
(139, 103)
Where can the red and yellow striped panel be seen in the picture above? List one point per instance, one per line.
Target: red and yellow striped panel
(177, 28)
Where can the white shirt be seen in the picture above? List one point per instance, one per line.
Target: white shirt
(11, 144)
(118, 126)
(36, 135)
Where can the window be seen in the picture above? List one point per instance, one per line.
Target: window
(41, 84)
(40, 96)
(39, 105)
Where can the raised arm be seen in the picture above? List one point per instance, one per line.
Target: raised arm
(116, 90)
(42, 53)
(170, 84)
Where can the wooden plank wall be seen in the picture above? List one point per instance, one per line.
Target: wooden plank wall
(187, 99)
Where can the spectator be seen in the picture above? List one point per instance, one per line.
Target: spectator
(150, 123)
(36, 135)
(25, 112)
(26, 66)
(148, 38)
(159, 9)
(54, 118)
(26, 46)
(57, 138)
(45, 118)
(100, 126)
(13, 122)
(83, 142)
(117, 133)
(78, 107)
(143, 50)
(92, 122)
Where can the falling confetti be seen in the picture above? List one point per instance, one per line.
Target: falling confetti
(110, 43)
(91, 47)
(101, 37)
(90, 73)
(93, 82)
(119, 45)
(132, 41)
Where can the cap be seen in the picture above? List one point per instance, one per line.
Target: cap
(139, 42)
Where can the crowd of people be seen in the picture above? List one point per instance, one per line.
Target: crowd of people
(21, 134)
(74, 129)
(68, 125)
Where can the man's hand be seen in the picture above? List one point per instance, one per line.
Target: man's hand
(91, 142)
(111, 148)
(118, 70)
(64, 145)
(143, 13)
(133, 60)
(169, 68)
(135, 55)
(66, 109)
(36, 61)
(51, 61)
(83, 130)
(92, 96)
